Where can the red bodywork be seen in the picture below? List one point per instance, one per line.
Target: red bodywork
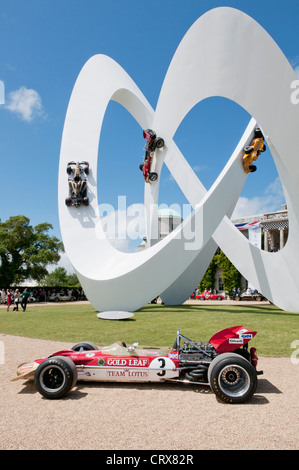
(226, 340)
(208, 296)
(231, 339)
(149, 153)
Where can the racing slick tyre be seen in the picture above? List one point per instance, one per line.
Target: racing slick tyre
(258, 132)
(232, 378)
(55, 377)
(68, 201)
(252, 168)
(86, 201)
(85, 346)
(153, 176)
(160, 143)
(141, 166)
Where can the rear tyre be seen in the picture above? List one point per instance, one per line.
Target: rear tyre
(252, 168)
(85, 346)
(232, 378)
(55, 377)
(160, 143)
(153, 176)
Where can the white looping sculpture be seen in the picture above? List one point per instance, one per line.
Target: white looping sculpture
(225, 53)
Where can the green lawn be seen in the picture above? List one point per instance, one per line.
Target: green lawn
(155, 324)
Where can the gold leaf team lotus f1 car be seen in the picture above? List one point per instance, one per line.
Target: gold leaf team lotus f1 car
(77, 184)
(224, 363)
(253, 151)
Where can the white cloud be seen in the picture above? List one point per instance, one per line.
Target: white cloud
(270, 201)
(26, 103)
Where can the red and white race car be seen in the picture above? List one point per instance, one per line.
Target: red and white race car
(208, 296)
(152, 143)
(224, 363)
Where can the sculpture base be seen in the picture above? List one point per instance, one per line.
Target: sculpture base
(115, 315)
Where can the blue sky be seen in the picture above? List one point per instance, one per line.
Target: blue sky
(44, 45)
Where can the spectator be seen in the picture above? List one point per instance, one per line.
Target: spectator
(2, 295)
(8, 299)
(16, 300)
(25, 296)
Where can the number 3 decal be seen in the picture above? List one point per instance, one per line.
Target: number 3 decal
(163, 362)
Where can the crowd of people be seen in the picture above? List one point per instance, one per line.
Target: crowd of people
(16, 297)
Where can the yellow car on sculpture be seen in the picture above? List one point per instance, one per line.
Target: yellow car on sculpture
(253, 151)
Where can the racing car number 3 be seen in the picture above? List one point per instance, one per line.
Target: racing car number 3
(162, 366)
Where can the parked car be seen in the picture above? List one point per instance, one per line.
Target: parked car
(224, 363)
(152, 143)
(208, 296)
(250, 296)
(61, 297)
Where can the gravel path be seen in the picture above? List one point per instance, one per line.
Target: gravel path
(144, 417)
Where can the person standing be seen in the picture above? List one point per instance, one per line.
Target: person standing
(17, 300)
(8, 299)
(25, 296)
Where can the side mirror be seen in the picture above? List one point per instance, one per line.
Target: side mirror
(132, 347)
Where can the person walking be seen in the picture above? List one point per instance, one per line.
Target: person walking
(25, 296)
(16, 300)
(8, 299)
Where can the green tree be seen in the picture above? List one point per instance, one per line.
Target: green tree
(230, 275)
(57, 278)
(26, 251)
(208, 280)
(60, 277)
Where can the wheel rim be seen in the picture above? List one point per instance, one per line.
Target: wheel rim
(52, 379)
(234, 380)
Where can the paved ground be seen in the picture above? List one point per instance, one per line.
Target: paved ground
(144, 417)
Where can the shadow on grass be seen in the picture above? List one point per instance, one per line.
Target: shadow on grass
(263, 309)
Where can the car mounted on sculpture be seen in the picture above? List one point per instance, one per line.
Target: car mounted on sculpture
(224, 363)
(152, 143)
(77, 181)
(253, 151)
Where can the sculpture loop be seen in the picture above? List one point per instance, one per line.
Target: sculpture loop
(225, 53)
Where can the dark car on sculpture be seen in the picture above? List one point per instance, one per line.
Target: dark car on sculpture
(224, 363)
(152, 143)
(77, 181)
(253, 151)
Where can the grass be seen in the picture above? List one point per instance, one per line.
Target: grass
(155, 324)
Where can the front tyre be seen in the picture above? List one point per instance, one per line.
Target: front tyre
(55, 377)
(232, 378)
